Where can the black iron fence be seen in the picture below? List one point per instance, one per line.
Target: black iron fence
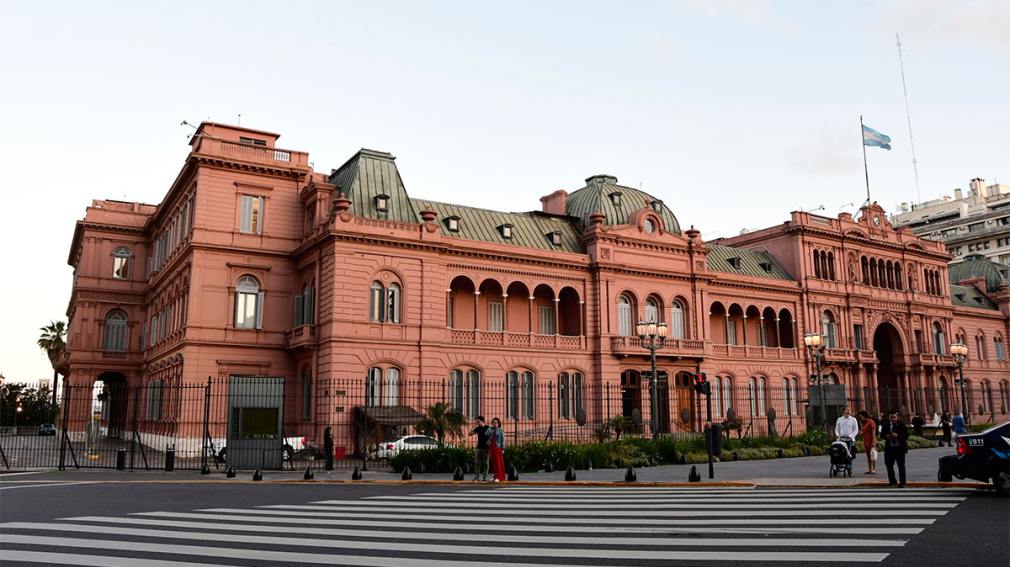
(283, 423)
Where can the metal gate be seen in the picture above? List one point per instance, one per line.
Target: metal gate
(255, 422)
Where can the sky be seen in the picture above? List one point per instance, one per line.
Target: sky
(732, 113)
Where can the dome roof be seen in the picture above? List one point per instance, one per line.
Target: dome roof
(996, 275)
(599, 195)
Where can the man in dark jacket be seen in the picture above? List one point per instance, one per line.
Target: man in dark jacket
(895, 436)
(917, 424)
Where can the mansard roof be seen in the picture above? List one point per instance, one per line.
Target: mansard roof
(369, 174)
(597, 196)
(529, 230)
(744, 261)
(970, 296)
(996, 275)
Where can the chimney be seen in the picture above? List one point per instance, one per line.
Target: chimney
(977, 186)
(556, 203)
(957, 194)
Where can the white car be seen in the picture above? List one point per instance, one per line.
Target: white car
(408, 442)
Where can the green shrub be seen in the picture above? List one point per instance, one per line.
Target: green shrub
(814, 437)
(434, 460)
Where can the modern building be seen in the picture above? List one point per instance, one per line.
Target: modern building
(255, 265)
(976, 224)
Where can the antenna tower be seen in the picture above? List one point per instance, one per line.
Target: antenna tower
(908, 116)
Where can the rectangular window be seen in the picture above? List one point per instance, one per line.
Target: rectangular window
(251, 214)
(730, 332)
(252, 141)
(624, 327)
(247, 310)
(456, 391)
(529, 395)
(578, 401)
(495, 311)
(377, 303)
(373, 385)
(121, 267)
(299, 311)
(512, 395)
(309, 307)
(473, 393)
(857, 334)
(546, 320)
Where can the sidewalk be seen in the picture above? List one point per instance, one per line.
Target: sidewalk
(921, 465)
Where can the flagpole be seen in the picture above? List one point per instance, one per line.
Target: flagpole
(866, 170)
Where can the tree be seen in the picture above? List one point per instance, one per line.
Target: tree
(52, 342)
(442, 419)
(36, 406)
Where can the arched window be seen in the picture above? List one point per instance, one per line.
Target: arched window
(564, 396)
(305, 306)
(761, 392)
(873, 272)
(677, 320)
(866, 273)
(121, 263)
(465, 392)
(1000, 348)
(373, 387)
(831, 266)
(980, 347)
(828, 329)
(727, 395)
(391, 388)
(624, 318)
(752, 396)
(377, 303)
(393, 303)
(512, 395)
(897, 277)
(716, 397)
(986, 397)
(787, 397)
(651, 310)
(529, 395)
(114, 331)
(1004, 395)
(882, 273)
(248, 304)
(817, 264)
(890, 275)
(938, 339)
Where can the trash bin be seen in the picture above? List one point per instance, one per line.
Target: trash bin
(169, 460)
(340, 453)
(120, 459)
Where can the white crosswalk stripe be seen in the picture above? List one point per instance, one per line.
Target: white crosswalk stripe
(501, 527)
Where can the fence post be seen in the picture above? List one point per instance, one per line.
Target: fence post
(206, 424)
(133, 433)
(550, 410)
(66, 418)
(607, 417)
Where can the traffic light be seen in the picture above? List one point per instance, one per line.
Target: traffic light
(701, 384)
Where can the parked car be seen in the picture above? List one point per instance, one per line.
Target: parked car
(292, 447)
(981, 456)
(47, 429)
(407, 442)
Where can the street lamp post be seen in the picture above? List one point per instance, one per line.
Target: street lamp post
(652, 335)
(960, 352)
(815, 345)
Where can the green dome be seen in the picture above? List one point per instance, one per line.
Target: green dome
(599, 195)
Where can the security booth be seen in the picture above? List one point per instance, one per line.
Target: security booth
(255, 422)
(381, 424)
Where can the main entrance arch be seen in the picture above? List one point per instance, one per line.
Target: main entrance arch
(888, 345)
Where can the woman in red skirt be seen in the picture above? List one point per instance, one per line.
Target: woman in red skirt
(497, 435)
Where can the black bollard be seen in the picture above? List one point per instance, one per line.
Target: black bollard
(683, 459)
(458, 475)
(308, 474)
(630, 476)
(230, 473)
(407, 475)
(258, 475)
(120, 459)
(736, 456)
(548, 467)
(356, 474)
(693, 476)
(169, 460)
(782, 453)
(570, 473)
(205, 469)
(513, 474)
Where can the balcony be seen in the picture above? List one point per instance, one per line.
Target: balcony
(252, 153)
(758, 352)
(516, 340)
(300, 337)
(671, 347)
(923, 359)
(839, 355)
(866, 356)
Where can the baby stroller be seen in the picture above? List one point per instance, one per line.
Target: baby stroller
(841, 457)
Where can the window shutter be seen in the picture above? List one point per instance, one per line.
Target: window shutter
(259, 310)
(298, 310)
(263, 215)
(245, 218)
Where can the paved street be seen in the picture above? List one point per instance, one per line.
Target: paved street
(176, 524)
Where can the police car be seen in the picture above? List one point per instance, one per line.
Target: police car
(981, 456)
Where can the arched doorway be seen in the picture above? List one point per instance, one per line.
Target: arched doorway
(631, 399)
(888, 346)
(687, 417)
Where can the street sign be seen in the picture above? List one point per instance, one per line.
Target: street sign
(661, 374)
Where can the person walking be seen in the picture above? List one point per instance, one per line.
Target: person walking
(481, 451)
(328, 447)
(946, 428)
(895, 435)
(917, 424)
(846, 429)
(869, 432)
(497, 440)
(959, 426)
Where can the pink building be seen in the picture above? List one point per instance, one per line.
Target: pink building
(255, 265)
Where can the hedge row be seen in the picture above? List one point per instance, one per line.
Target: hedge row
(636, 452)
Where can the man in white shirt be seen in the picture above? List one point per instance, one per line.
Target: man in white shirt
(847, 426)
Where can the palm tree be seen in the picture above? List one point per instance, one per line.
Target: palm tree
(52, 343)
(442, 419)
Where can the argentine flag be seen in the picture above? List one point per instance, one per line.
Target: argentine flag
(875, 139)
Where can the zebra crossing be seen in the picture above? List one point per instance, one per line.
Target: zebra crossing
(502, 526)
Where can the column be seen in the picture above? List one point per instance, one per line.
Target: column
(726, 337)
(448, 309)
(504, 314)
(557, 317)
(744, 324)
(778, 333)
(476, 303)
(531, 315)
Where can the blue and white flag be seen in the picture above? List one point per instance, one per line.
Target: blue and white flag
(875, 139)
